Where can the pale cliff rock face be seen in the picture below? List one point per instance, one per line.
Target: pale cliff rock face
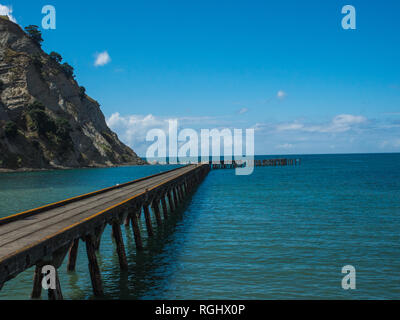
(27, 76)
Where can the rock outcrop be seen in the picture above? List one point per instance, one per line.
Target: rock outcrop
(46, 119)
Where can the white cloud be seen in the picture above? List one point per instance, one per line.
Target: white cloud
(342, 133)
(391, 144)
(243, 110)
(392, 113)
(290, 126)
(135, 127)
(7, 11)
(285, 146)
(132, 129)
(281, 94)
(102, 59)
(340, 123)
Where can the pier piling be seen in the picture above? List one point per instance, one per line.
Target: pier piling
(156, 209)
(94, 269)
(62, 237)
(136, 230)
(119, 241)
(73, 253)
(37, 283)
(147, 217)
(164, 207)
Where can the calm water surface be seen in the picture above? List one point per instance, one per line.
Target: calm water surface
(280, 233)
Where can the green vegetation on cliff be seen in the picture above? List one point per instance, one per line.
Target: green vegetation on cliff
(47, 120)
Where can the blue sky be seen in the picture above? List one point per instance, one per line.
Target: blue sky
(285, 68)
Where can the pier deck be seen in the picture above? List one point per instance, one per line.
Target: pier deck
(44, 235)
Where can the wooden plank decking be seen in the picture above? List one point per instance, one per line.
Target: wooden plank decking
(41, 234)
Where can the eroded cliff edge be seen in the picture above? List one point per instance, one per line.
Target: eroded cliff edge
(46, 119)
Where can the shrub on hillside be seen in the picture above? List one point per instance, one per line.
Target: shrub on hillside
(55, 56)
(82, 92)
(34, 33)
(68, 70)
(10, 130)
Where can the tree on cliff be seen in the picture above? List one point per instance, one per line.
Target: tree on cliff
(34, 33)
(68, 70)
(55, 56)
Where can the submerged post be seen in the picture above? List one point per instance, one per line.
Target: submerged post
(164, 207)
(119, 241)
(56, 294)
(94, 269)
(73, 253)
(136, 231)
(148, 220)
(180, 192)
(37, 283)
(175, 198)
(156, 209)
(171, 204)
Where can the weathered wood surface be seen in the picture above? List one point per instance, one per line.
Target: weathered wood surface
(27, 238)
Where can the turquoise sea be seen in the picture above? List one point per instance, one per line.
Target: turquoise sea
(280, 233)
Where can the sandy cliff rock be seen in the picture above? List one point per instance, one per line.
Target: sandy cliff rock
(46, 121)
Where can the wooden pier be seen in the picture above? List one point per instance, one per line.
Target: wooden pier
(46, 235)
(281, 162)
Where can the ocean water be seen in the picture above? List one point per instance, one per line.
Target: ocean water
(280, 233)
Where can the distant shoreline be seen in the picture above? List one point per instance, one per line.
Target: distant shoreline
(3, 170)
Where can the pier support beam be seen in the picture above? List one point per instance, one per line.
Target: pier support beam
(185, 193)
(175, 198)
(164, 207)
(186, 188)
(119, 241)
(97, 239)
(136, 231)
(37, 283)
(171, 204)
(127, 220)
(73, 253)
(149, 227)
(181, 192)
(56, 294)
(156, 208)
(94, 269)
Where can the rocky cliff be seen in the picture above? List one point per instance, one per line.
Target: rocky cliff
(46, 119)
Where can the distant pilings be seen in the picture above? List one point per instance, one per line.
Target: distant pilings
(280, 162)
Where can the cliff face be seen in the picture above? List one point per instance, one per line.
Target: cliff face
(46, 119)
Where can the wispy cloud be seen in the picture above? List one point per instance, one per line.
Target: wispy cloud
(243, 110)
(284, 146)
(391, 113)
(289, 126)
(343, 133)
(102, 59)
(7, 11)
(394, 143)
(281, 94)
(132, 129)
(340, 123)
